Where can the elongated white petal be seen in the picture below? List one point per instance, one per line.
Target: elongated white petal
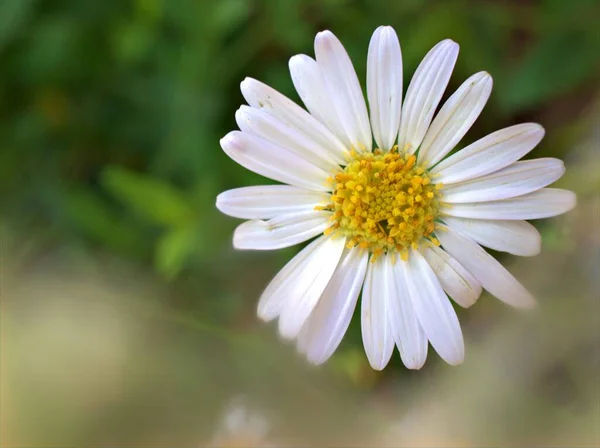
(543, 203)
(455, 118)
(489, 154)
(273, 161)
(406, 329)
(307, 287)
(434, 310)
(277, 292)
(344, 89)
(515, 237)
(375, 323)
(515, 180)
(458, 283)
(425, 92)
(310, 85)
(491, 274)
(323, 331)
(261, 124)
(261, 96)
(384, 85)
(268, 201)
(281, 231)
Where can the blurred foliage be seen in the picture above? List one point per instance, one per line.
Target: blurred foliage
(111, 114)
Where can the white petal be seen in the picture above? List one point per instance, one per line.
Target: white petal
(455, 118)
(281, 231)
(489, 154)
(434, 310)
(515, 237)
(272, 161)
(375, 322)
(268, 201)
(260, 123)
(304, 291)
(281, 290)
(310, 86)
(344, 89)
(458, 283)
(384, 85)
(515, 180)
(543, 203)
(425, 92)
(406, 329)
(261, 96)
(326, 326)
(491, 274)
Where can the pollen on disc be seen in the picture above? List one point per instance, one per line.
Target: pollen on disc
(384, 202)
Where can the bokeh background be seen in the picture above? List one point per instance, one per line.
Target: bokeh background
(127, 319)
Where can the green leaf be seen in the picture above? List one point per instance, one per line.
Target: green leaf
(96, 220)
(148, 197)
(13, 16)
(554, 66)
(172, 251)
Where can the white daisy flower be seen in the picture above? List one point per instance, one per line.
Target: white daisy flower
(395, 218)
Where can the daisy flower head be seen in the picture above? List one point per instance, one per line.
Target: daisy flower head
(392, 214)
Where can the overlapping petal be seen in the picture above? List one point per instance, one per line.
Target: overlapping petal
(455, 118)
(486, 269)
(344, 89)
(407, 331)
(424, 94)
(434, 310)
(489, 154)
(281, 231)
(515, 180)
(515, 237)
(543, 203)
(273, 161)
(326, 326)
(261, 96)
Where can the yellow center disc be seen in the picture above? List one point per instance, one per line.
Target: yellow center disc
(384, 201)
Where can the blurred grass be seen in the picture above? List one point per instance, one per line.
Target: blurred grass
(110, 118)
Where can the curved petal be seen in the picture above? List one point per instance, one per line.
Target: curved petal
(455, 118)
(297, 274)
(375, 324)
(261, 96)
(325, 328)
(491, 274)
(282, 231)
(515, 180)
(268, 201)
(274, 162)
(344, 89)
(406, 329)
(543, 203)
(384, 85)
(434, 310)
(458, 283)
(261, 124)
(307, 287)
(515, 237)
(310, 85)
(425, 92)
(489, 154)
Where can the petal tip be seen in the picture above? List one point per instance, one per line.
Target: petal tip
(228, 141)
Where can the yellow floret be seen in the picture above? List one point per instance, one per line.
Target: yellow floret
(384, 201)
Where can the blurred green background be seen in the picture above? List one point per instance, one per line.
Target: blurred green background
(127, 317)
